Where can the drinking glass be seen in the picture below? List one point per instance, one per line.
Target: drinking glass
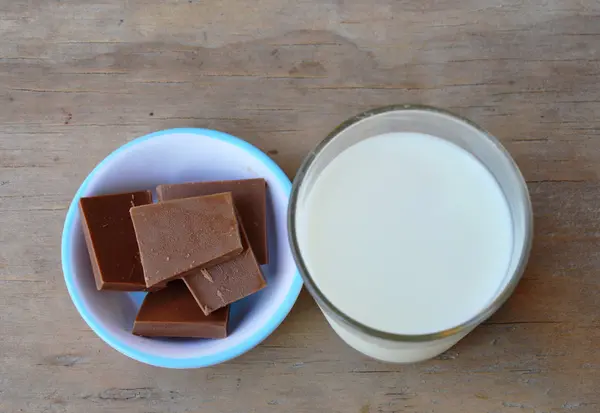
(405, 348)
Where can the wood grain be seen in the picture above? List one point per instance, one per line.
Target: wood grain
(78, 78)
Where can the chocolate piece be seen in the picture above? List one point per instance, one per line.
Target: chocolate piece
(111, 241)
(173, 312)
(219, 285)
(249, 196)
(177, 236)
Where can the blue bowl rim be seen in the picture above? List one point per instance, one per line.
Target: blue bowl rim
(160, 361)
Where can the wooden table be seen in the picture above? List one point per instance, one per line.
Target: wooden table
(78, 78)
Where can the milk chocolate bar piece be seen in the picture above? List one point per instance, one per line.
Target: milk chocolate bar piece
(177, 236)
(249, 197)
(111, 241)
(173, 312)
(217, 286)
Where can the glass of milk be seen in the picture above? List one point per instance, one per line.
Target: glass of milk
(410, 226)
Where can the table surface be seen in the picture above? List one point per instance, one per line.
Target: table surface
(78, 78)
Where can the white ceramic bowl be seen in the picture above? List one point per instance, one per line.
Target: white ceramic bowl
(172, 156)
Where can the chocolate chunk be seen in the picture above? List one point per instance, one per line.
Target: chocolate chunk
(249, 197)
(173, 312)
(177, 236)
(219, 285)
(111, 242)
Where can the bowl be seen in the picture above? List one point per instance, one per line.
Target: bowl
(173, 156)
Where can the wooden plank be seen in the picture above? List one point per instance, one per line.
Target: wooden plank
(78, 78)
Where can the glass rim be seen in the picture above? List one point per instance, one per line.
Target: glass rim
(323, 301)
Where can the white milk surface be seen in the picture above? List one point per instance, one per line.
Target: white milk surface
(406, 233)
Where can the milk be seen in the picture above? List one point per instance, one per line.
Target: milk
(405, 233)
